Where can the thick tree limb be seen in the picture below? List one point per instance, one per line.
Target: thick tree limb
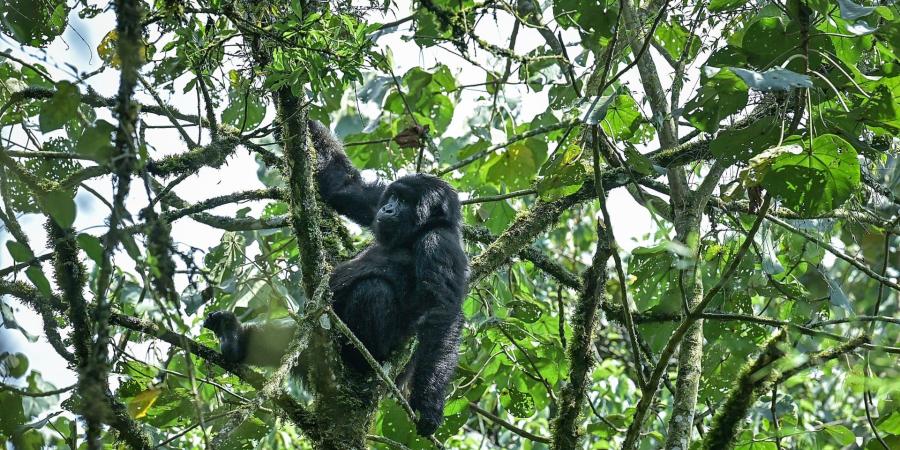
(581, 359)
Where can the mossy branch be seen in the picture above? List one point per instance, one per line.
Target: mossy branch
(299, 168)
(273, 387)
(695, 314)
(296, 412)
(758, 377)
(755, 375)
(565, 426)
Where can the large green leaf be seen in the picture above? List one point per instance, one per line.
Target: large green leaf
(245, 108)
(810, 181)
(96, 142)
(767, 42)
(12, 415)
(517, 165)
(19, 252)
(723, 93)
(60, 206)
(518, 403)
(674, 37)
(60, 108)
(563, 174)
(742, 144)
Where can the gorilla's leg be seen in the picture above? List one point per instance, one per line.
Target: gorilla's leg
(256, 344)
(433, 365)
(370, 311)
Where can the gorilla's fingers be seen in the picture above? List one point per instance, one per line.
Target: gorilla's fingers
(428, 421)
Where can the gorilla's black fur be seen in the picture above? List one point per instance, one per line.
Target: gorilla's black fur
(410, 281)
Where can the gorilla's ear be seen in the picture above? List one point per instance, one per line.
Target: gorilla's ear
(432, 206)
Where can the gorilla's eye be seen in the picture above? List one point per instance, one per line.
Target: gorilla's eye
(391, 207)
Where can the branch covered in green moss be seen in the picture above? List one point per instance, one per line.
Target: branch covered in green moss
(758, 377)
(300, 164)
(695, 314)
(296, 412)
(565, 426)
(752, 378)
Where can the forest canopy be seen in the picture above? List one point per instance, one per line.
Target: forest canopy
(682, 219)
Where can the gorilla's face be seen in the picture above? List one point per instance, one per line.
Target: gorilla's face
(395, 219)
(412, 203)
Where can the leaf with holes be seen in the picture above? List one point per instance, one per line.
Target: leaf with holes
(518, 403)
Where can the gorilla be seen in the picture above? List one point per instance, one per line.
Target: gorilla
(410, 282)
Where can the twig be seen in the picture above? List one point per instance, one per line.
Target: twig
(498, 197)
(620, 272)
(17, 391)
(834, 251)
(379, 371)
(412, 117)
(499, 421)
(533, 132)
(167, 112)
(389, 442)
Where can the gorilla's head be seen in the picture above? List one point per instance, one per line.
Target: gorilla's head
(414, 204)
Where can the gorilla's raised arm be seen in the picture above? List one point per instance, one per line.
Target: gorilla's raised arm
(340, 184)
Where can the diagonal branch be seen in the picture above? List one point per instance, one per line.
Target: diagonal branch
(695, 314)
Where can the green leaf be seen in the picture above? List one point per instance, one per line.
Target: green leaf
(518, 403)
(674, 37)
(60, 108)
(60, 206)
(563, 174)
(19, 252)
(443, 79)
(593, 111)
(891, 425)
(841, 434)
(745, 143)
(33, 22)
(36, 275)
(496, 216)
(623, 120)
(96, 142)
(524, 311)
(722, 94)
(767, 43)
(456, 406)
(246, 434)
(638, 162)
(91, 246)
(810, 181)
(16, 364)
(12, 415)
(516, 167)
(245, 108)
